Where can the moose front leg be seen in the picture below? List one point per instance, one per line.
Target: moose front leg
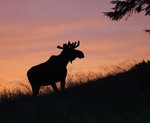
(35, 89)
(54, 87)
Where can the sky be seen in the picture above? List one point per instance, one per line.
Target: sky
(30, 31)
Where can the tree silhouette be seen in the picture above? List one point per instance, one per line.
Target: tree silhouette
(127, 8)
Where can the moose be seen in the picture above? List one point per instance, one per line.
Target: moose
(54, 69)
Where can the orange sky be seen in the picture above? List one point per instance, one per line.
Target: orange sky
(31, 30)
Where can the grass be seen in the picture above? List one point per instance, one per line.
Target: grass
(120, 98)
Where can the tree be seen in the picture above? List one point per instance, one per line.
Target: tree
(127, 8)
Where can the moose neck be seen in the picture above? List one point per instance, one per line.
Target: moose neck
(64, 58)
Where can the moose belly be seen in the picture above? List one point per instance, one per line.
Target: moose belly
(47, 79)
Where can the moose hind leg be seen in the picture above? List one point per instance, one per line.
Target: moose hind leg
(62, 85)
(54, 87)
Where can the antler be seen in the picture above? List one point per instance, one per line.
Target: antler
(69, 45)
(64, 46)
(59, 47)
(75, 44)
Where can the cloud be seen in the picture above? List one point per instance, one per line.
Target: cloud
(31, 30)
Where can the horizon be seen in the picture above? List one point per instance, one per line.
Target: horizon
(30, 32)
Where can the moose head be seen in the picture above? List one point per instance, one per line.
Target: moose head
(70, 52)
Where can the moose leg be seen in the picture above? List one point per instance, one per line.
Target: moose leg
(35, 90)
(62, 84)
(54, 87)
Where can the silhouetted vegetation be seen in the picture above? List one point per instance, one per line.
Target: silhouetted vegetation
(127, 8)
(120, 98)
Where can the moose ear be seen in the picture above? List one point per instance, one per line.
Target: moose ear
(59, 47)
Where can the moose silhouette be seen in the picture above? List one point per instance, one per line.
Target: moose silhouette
(54, 69)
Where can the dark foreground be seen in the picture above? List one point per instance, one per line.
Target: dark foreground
(122, 98)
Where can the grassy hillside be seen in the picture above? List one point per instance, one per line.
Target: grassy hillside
(121, 98)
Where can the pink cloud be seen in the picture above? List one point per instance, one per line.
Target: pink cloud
(31, 30)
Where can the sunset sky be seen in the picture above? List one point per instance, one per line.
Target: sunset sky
(30, 31)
